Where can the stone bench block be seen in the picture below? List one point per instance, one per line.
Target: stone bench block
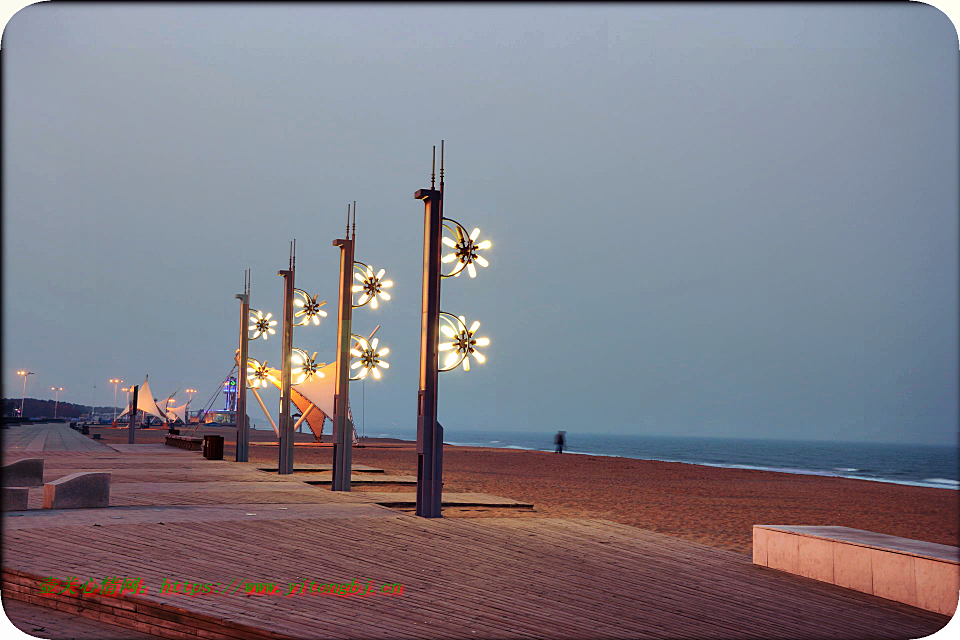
(23, 473)
(83, 490)
(921, 574)
(15, 498)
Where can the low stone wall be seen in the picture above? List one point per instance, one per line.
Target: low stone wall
(27, 472)
(922, 574)
(83, 490)
(15, 498)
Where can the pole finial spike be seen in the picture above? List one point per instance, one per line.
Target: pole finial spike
(441, 166)
(433, 167)
(354, 235)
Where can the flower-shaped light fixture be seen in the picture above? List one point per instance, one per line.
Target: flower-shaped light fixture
(261, 325)
(463, 342)
(465, 248)
(369, 359)
(304, 366)
(308, 308)
(371, 286)
(258, 375)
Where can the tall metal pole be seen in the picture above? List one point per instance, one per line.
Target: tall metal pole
(131, 430)
(243, 426)
(285, 425)
(342, 428)
(429, 432)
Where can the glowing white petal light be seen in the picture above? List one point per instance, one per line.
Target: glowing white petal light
(260, 324)
(464, 342)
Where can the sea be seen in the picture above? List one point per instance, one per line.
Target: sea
(910, 464)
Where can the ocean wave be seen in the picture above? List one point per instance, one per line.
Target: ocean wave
(836, 472)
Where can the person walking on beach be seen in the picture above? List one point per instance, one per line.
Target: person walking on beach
(558, 440)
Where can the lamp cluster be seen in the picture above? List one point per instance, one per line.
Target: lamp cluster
(369, 360)
(458, 339)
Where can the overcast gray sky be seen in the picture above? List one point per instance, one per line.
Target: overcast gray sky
(723, 220)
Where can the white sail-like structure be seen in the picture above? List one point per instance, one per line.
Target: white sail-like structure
(174, 413)
(145, 402)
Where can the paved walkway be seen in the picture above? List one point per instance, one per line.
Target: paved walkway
(50, 436)
(230, 526)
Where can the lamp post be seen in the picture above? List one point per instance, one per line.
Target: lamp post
(115, 382)
(462, 341)
(342, 444)
(24, 394)
(243, 427)
(56, 405)
(285, 465)
(371, 286)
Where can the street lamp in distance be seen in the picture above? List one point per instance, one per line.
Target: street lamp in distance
(115, 382)
(56, 406)
(24, 394)
(186, 414)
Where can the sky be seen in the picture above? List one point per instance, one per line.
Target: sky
(706, 219)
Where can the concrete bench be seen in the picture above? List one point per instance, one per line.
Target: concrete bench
(23, 473)
(922, 574)
(184, 442)
(83, 490)
(15, 498)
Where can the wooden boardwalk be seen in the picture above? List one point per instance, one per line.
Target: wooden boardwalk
(229, 524)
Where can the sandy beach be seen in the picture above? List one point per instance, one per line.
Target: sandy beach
(709, 505)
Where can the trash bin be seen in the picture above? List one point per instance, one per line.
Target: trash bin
(85, 430)
(213, 447)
